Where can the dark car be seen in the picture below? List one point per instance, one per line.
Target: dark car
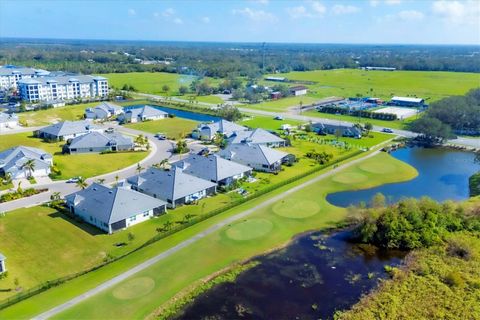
(387, 130)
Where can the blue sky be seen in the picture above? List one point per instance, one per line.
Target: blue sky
(369, 21)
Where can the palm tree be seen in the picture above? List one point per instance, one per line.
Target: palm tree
(167, 225)
(116, 179)
(101, 181)
(19, 187)
(55, 196)
(30, 166)
(139, 168)
(81, 183)
(163, 163)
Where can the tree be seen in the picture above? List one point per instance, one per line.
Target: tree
(165, 88)
(167, 225)
(19, 187)
(368, 127)
(131, 237)
(431, 130)
(81, 183)
(338, 133)
(101, 180)
(139, 168)
(182, 90)
(30, 166)
(55, 196)
(230, 113)
(181, 147)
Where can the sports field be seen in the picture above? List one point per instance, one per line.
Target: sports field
(268, 227)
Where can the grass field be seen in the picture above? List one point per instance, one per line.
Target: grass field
(268, 123)
(74, 165)
(152, 82)
(430, 85)
(173, 128)
(270, 228)
(49, 116)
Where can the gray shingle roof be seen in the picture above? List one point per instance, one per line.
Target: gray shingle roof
(222, 126)
(257, 136)
(60, 79)
(97, 140)
(10, 71)
(212, 167)
(2, 257)
(68, 127)
(17, 156)
(146, 112)
(169, 184)
(111, 205)
(252, 153)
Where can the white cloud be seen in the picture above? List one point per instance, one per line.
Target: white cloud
(132, 12)
(375, 3)
(255, 15)
(344, 9)
(393, 2)
(178, 21)
(318, 8)
(298, 12)
(411, 15)
(168, 12)
(458, 12)
(264, 2)
(205, 19)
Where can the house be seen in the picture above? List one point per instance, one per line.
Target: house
(257, 136)
(62, 87)
(143, 113)
(103, 111)
(298, 90)
(408, 102)
(99, 142)
(345, 131)
(173, 186)
(207, 131)
(3, 267)
(66, 130)
(113, 209)
(258, 157)
(12, 162)
(275, 95)
(213, 168)
(8, 121)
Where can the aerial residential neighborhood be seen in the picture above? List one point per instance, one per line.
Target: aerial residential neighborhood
(239, 159)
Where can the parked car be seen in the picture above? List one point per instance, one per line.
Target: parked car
(110, 130)
(278, 118)
(387, 130)
(160, 136)
(73, 180)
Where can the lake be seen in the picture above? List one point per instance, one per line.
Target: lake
(310, 279)
(180, 113)
(443, 175)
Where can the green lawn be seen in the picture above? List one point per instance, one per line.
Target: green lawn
(210, 254)
(430, 85)
(74, 165)
(282, 105)
(208, 99)
(174, 128)
(267, 123)
(49, 116)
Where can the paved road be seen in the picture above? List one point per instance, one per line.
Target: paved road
(159, 150)
(116, 280)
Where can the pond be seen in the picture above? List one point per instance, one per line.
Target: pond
(310, 279)
(201, 117)
(443, 175)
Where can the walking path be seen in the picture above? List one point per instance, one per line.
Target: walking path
(116, 280)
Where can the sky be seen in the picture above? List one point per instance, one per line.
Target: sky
(308, 21)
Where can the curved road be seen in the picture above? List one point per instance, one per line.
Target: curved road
(114, 281)
(160, 149)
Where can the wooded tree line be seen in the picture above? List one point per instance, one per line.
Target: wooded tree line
(224, 59)
(449, 116)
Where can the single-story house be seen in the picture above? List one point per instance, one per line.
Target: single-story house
(142, 114)
(213, 168)
(275, 95)
(8, 121)
(346, 131)
(258, 157)
(67, 130)
(103, 111)
(408, 102)
(12, 161)
(257, 136)
(3, 266)
(173, 186)
(99, 142)
(207, 131)
(298, 90)
(113, 209)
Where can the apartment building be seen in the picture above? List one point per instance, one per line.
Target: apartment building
(10, 76)
(44, 89)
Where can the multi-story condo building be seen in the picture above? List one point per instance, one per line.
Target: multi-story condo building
(44, 89)
(9, 75)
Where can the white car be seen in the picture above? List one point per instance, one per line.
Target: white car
(74, 180)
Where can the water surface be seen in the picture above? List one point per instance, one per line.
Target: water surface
(310, 279)
(443, 175)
